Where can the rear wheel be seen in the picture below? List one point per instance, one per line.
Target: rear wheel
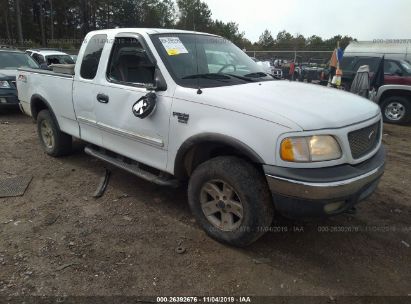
(54, 142)
(231, 200)
(396, 109)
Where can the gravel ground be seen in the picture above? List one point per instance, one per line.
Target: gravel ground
(58, 240)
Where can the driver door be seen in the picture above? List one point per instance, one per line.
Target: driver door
(130, 69)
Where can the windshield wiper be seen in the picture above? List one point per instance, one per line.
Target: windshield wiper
(213, 76)
(256, 75)
(240, 77)
(261, 75)
(218, 76)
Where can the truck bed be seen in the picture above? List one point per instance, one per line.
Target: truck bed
(55, 89)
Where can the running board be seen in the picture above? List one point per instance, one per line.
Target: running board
(163, 179)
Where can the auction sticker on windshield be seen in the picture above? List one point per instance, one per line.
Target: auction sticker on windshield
(173, 46)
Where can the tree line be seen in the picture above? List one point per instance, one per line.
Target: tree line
(63, 24)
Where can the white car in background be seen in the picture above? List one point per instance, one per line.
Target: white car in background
(264, 64)
(268, 68)
(45, 58)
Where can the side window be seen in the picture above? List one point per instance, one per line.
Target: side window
(347, 62)
(91, 57)
(129, 63)
(371, 62)
(38, 58)
(391, 67)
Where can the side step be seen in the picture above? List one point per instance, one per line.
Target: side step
(163, 179)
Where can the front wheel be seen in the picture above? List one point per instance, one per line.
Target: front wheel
(396, 109)
(230, 200)
(54, 142)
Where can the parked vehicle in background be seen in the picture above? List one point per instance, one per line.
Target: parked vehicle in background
(45, 58)
(265, 65)
(74, 57)
(394, 96)
(269, 68)
(166, 106)
(310, 71)
(10, 61)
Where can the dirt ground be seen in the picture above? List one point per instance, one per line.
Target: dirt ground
(58, 240)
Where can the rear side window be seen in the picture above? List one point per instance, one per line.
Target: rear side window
(391, 67)
(346, 63)
(372, 62)
(38, 58)
(91, 57)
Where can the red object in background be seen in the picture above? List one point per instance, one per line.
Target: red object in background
(396, 79)
(292, 68)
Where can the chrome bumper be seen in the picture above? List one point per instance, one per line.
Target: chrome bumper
(344, 182)
(322, 191)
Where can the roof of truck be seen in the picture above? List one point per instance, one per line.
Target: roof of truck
(150, 31)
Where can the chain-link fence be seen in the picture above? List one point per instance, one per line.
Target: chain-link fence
(295, 56)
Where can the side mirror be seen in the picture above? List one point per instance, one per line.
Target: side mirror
(398, 73)
(159, 81)
(145, 106)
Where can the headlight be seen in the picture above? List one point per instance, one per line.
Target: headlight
(4, 85)
(310, 149)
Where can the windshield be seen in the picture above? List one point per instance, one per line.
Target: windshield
(208, 61)
(59, 59)
(406, 66)
(14, 60)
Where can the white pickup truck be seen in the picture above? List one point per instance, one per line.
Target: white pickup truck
(173, 106)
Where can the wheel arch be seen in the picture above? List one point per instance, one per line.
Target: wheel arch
(402, 92)
(39, 103)
(202, 147)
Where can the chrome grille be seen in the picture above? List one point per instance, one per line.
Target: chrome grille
(364, 140)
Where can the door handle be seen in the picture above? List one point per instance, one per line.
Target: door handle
(102, 98)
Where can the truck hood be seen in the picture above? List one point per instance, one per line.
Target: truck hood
(309, 106)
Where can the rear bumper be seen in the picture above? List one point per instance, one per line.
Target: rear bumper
(324, 191)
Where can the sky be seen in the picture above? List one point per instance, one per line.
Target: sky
(361, 19)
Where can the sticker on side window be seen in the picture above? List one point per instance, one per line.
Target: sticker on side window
(173, 46)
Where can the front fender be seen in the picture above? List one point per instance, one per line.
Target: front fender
(256, 138)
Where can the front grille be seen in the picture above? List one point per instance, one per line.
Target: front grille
(363, 141)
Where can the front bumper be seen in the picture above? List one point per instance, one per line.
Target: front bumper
(9, 100)
(323, 192)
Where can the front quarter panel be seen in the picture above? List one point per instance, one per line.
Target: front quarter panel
(257, 134)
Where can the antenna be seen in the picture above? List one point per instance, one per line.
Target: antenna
(199, 91)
